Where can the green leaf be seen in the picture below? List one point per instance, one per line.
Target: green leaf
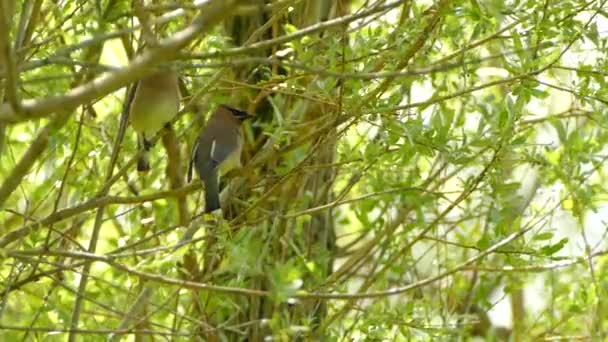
(552, 249)
(543, 236)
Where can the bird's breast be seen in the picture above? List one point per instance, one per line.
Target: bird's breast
(149, 116)
(233, 160)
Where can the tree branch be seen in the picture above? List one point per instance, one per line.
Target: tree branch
(168, 48)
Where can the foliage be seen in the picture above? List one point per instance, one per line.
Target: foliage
(415, 171)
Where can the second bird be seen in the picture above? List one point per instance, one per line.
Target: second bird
(217, 151)
(155, 103)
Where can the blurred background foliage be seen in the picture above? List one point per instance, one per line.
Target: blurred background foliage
(416, 170)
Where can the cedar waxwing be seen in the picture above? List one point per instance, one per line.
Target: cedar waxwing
(218, 148)
(155, 103)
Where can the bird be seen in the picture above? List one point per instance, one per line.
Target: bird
(155, 103)
(217, 150)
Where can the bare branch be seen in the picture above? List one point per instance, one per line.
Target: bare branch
(7, 57)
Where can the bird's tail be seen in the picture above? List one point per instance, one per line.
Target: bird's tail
(212, 192)
(143, 162)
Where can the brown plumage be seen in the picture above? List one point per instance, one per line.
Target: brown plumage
(217, 151)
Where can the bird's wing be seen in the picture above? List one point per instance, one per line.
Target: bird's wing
(213, 149)
(209, 154)
(220, 149)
